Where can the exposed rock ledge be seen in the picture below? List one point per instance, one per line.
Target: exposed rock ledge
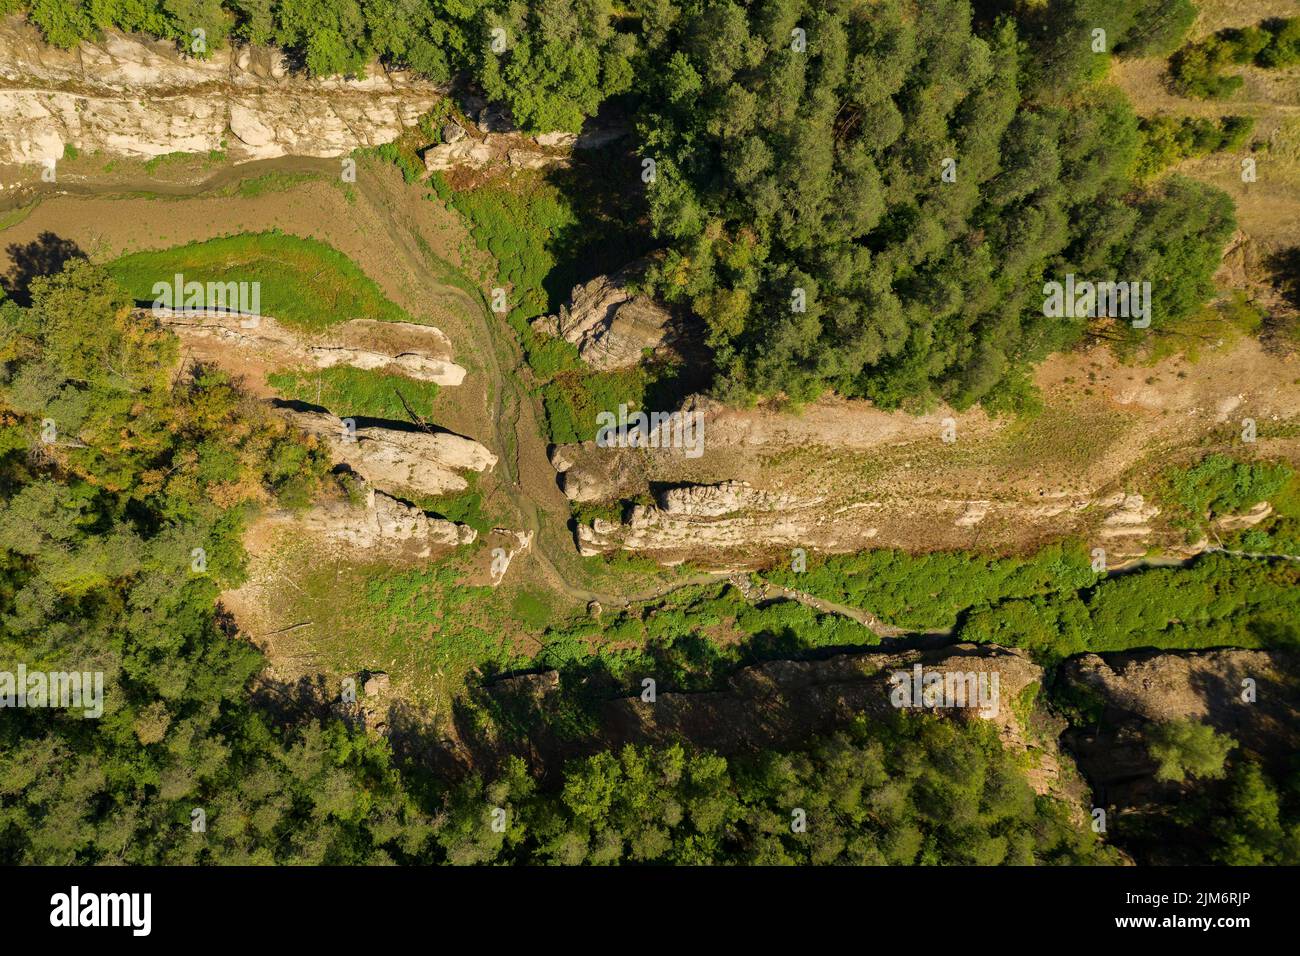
(133, 96)
(384, 523)
(393, 459)
(499, 143)
(732, 516)
(781, 703)
(610, 325)
(728, 515)
(417, 351)
(1250, 695)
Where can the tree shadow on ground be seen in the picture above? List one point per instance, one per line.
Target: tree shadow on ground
(43, 256)
(1285, 269)
(611, 225)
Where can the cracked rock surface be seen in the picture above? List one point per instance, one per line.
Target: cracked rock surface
(134, 96)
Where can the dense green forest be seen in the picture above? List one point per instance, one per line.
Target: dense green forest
(917, 178)
(911, 792)
(103, 511)
(864, 197)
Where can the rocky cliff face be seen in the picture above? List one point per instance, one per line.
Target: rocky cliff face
(780, 704)
(398, 460)
(1252, 696)
(417, 351)
(387, 525)
(841, 475)
(609, 324)
(720, 516)
(131, 96)
(782, 503)
(1132, 691)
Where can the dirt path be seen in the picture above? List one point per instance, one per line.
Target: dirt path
(865, 618)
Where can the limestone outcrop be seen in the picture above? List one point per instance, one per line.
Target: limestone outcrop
(611, 326)
(652, 531)
(130, 95)
(1128, 516)
(460, 152)
(712, 501)
(133, 96)
(723, 516)
(398, 460)
(417, 351)
(385, 525)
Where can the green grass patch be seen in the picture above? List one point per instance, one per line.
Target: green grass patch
(14, 216)
(1054, 605)
(211, 158)
(1218, 601)
(304, 282)
(691, 639)
(533, 608)
(276, 182)
(518, 229)
(574, 399)
(931, 591)
(422, 626)
(1219, 485)
(463, 508)
(403, 158)
(356, 392)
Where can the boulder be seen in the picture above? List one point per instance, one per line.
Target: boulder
(387, 525)
(611, 326)
(528, 159)
(422, 462)
(464, 152)
(556, 140)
